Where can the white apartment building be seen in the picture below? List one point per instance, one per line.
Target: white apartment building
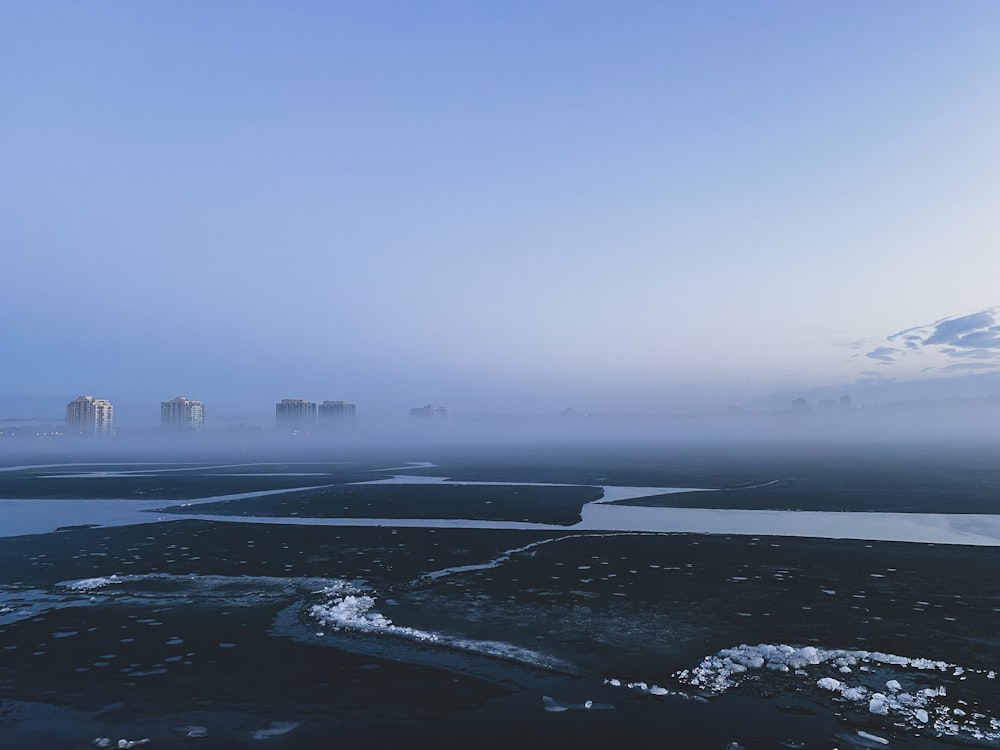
(182, 414)
(90, 415)
(295, 414)
(337, 413)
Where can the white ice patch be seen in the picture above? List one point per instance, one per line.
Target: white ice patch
(554, 705)
(651, 689)
(276, 729)
(828, 683)
(507, 651)
(89, 584)
(917, 708)
(349, 609)
(873, 738)
(878, 705)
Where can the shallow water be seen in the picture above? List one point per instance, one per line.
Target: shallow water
(40, 516)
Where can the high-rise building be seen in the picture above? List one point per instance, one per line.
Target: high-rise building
(182, 414)
(335, 414)
(90, 415)
(295, 414)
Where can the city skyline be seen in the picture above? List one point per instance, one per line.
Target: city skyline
(650, 207)
(182, 413)
(969, 418)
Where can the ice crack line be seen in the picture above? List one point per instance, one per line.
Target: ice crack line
(506, 556)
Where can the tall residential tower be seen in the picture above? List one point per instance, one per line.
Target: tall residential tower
(429, 412)
(89, 415)
(295, 414)
(182, 414)
(336, 414)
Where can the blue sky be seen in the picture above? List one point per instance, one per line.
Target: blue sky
(503, 207)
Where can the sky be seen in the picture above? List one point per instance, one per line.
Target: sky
(503, 207)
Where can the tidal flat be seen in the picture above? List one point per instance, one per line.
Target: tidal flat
(190, 631)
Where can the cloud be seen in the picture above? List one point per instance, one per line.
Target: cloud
(953, 330)
(987, 339)
(883, 354)
(969, 367)
(959, 342)
(951, 351)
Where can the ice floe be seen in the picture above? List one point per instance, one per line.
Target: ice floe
(276, 729)
(914, 707)
(351, 607)
(873, 738)
(651, 689)
(348, 608)
(552, 705)
(89, 584)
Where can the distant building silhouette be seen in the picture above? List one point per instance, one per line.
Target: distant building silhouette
(800, 406)
(182, 414)
(336, 414)
(429, 412)
(828, 405)
(295, 414)
(89, 415)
